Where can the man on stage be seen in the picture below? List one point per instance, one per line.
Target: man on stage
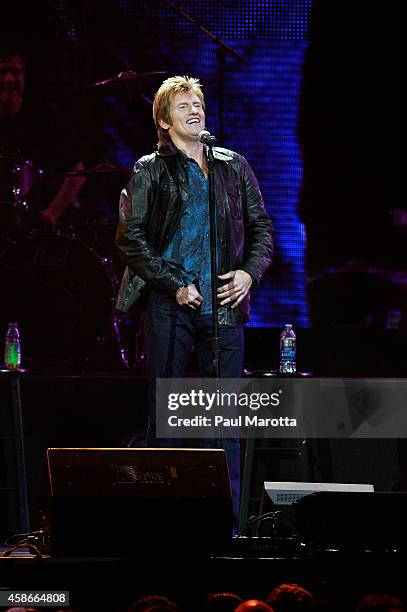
(163, 238)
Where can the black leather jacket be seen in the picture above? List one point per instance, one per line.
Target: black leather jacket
(151, 207)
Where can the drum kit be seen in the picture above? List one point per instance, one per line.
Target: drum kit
(60, 285)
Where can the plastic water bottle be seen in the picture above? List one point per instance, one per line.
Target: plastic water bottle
(12, 347)
(288, 350)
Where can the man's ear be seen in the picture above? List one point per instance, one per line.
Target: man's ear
(163, 124)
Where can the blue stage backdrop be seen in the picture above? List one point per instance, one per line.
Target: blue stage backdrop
(261, 103)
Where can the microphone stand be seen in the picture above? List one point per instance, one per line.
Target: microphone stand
(213, 224)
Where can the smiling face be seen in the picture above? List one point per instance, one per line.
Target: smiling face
(187, 118)
(11, 84)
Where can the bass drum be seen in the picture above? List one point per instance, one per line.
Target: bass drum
(61, 294)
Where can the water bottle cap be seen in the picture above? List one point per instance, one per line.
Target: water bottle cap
(289, 325)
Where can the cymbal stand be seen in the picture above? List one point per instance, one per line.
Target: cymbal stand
(223, 50)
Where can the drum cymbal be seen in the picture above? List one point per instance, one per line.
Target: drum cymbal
(126, 75)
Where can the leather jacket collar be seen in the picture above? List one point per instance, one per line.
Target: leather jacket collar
(166, 149)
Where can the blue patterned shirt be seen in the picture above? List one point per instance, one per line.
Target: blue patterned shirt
(189, 251)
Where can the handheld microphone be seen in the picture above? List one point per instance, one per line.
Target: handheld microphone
(206, 138)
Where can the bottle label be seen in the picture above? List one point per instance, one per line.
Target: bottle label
(288, 354)
(287, 360)
(12, 355)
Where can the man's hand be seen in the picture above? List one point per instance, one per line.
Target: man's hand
(189, 296)
(236, 289)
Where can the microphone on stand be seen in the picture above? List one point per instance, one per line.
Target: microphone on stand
(206, 138)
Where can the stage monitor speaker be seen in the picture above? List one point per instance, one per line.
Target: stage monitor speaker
(354, 521)
(110, 502)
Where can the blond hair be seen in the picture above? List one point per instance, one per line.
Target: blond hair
(162, 100)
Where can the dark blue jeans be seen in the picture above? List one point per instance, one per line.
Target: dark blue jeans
(171, 331)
